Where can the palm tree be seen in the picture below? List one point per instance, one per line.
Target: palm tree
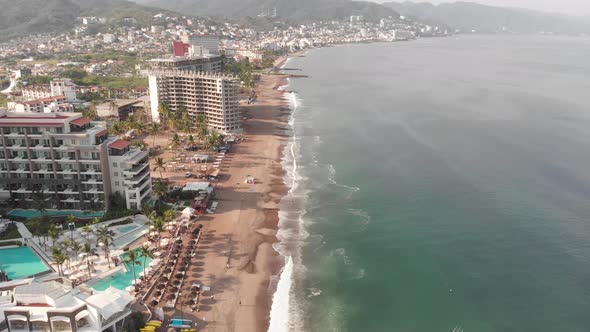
(59, 257)
(164, 112)
(53, 234)
(147, 210)
(159, 189)
(175, 140)
(159, 165)
(146, 253)
(133, 259)
(202, 133)
(75, 247)
(116, 128)
(157, 224)
(186, 122)
(154, 131)
(106, 236)
(88, 251)
(191, 140)
(139, 144)
(169, 215)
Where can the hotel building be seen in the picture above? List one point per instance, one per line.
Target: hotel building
(196, 83)
(26, 306)
(214, 95)
(69, 161)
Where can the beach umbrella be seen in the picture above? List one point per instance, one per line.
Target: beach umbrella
(163, 279)
(157, 253)
(178, 241)
(161, 286)
(168, 270)
(157, 293)
(176, 282)
(130, 288)
(190, 302)
(135, 282)
(170, 297)
(154, 302)
(179, 275)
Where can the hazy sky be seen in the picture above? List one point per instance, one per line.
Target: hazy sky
(575, 7)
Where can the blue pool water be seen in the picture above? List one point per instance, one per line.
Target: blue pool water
(126, 229)
(121, 280)
(30, 214)
(21, 262)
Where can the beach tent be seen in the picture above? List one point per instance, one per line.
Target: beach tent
(250, 180)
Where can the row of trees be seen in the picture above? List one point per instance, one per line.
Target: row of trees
(65, 251)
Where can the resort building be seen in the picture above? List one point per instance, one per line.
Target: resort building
(214, 95)
(58, 87)
(44, 105)
(209, 43)
(26, 306)
(66, 159)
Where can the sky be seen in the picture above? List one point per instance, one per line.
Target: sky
(573, 7)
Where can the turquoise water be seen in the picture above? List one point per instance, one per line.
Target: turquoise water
(444, 184)
(21, 262)
(30, 214)
(121, 280)
(127, 229)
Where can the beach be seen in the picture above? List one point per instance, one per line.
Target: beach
(243, 230)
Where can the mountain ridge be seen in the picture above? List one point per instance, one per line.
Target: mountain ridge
(27, 17)
(300, 11)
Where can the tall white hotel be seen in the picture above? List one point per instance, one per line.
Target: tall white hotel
(197, 84)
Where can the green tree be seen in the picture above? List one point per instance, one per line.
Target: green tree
(154, 131)
(59, 257)
(53, 234)
(159, 165)
(164, 112)
(106, 236)
(132, 259)
(175, 140)
(146, 253)
(88, 251)
(159, 189)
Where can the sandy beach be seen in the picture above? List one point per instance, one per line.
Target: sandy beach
(242, 231)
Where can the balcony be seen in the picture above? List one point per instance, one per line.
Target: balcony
(136, 169)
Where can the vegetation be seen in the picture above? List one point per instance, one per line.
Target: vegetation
(133, 259)
(106, 237)
(10, 233)
(242, 69)
(10, 243)
(146, 253)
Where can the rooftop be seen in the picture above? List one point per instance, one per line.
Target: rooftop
(119, 144)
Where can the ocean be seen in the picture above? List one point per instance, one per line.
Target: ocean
(438, 185)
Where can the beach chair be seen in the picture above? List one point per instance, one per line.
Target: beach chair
(156, 325)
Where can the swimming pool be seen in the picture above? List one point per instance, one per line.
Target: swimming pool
(30, 214)
(126, 229)
(121, 280)
(21, 262)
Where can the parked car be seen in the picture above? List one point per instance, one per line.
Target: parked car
(188, 174)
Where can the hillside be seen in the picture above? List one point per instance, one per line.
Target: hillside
(291, 10)
(23, 17)
(467, 16)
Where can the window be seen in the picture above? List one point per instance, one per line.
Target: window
(116, 183)
(116, 173)
(115, 165)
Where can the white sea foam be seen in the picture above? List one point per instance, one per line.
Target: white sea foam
(284, 312)
(279, 312)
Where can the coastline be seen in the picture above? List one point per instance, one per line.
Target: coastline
(244, 229)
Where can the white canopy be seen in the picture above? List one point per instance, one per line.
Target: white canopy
(110, 301)
(196, 186)
(188, 211)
